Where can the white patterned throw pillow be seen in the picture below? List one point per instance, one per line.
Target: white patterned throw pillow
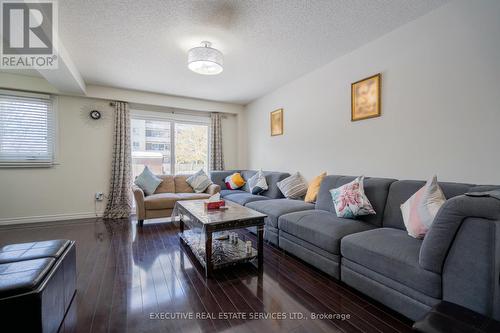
(420, 210)
(147, 181)
(293, 187)
(199, 181)
(257, 183)
(350, 200)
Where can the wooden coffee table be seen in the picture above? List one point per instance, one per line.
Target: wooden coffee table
(206, 225)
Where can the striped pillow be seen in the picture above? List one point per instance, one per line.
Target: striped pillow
(420, 210)
(199, 181)
(257, 183)
(293, 187)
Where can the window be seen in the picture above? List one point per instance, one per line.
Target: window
(153, 152)
(27, 129)
(191, 148)
(168, 146)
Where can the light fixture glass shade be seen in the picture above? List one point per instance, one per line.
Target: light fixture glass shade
(205, 60)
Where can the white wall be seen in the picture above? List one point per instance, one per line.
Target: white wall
(67, 190)
(84, 167)
(440, 114)
(162, 100)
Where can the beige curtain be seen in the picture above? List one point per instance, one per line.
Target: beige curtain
(120, 199)
(216, 155)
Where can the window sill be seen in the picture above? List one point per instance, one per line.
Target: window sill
(27, 165)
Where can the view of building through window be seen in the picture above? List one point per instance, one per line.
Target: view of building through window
(168, 147)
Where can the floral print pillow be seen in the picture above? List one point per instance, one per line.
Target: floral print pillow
(350, 200)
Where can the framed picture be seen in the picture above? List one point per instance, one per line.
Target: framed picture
(277, 122)
(365, 98)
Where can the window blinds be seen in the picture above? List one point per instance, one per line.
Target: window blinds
(27, 133)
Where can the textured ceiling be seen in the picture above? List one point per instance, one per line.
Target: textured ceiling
(142, 44)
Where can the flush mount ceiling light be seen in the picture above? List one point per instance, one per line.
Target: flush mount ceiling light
(205, 59)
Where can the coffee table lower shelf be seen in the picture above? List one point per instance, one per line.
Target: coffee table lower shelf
(224, 253)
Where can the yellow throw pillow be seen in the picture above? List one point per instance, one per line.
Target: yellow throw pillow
(235, 181)
(313, 189)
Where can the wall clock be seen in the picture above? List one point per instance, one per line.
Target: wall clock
(94, 114)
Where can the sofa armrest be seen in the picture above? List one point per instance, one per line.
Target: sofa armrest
(471, 271)
(463, 245)
(139, 202)
(213, 189)
(449, 219)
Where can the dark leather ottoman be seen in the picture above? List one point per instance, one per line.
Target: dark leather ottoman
(37, 284)
(449, 317)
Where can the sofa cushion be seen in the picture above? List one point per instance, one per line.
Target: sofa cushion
(224, 193)
(272, 178)
(181, 184)
(324, 199)
(193, 196)
(274, 208)
(168, 200)
(167, 184)
(23, 276)
(161, 201)
(244, 198)
(321, 228)
(393, 254)
(402, 190)
(376, 190)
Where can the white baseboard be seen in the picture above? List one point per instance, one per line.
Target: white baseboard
(47, 218)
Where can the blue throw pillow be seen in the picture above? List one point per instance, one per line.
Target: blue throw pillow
(147, 181)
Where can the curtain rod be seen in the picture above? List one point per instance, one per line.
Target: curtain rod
(186, 112)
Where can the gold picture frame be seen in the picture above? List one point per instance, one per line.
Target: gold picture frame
(365, 98)
(277, 122)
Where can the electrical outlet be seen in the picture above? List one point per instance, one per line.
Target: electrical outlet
(99, 196)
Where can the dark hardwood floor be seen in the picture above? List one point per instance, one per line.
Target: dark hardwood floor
(133, 279)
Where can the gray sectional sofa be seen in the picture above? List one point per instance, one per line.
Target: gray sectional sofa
(457, 261)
